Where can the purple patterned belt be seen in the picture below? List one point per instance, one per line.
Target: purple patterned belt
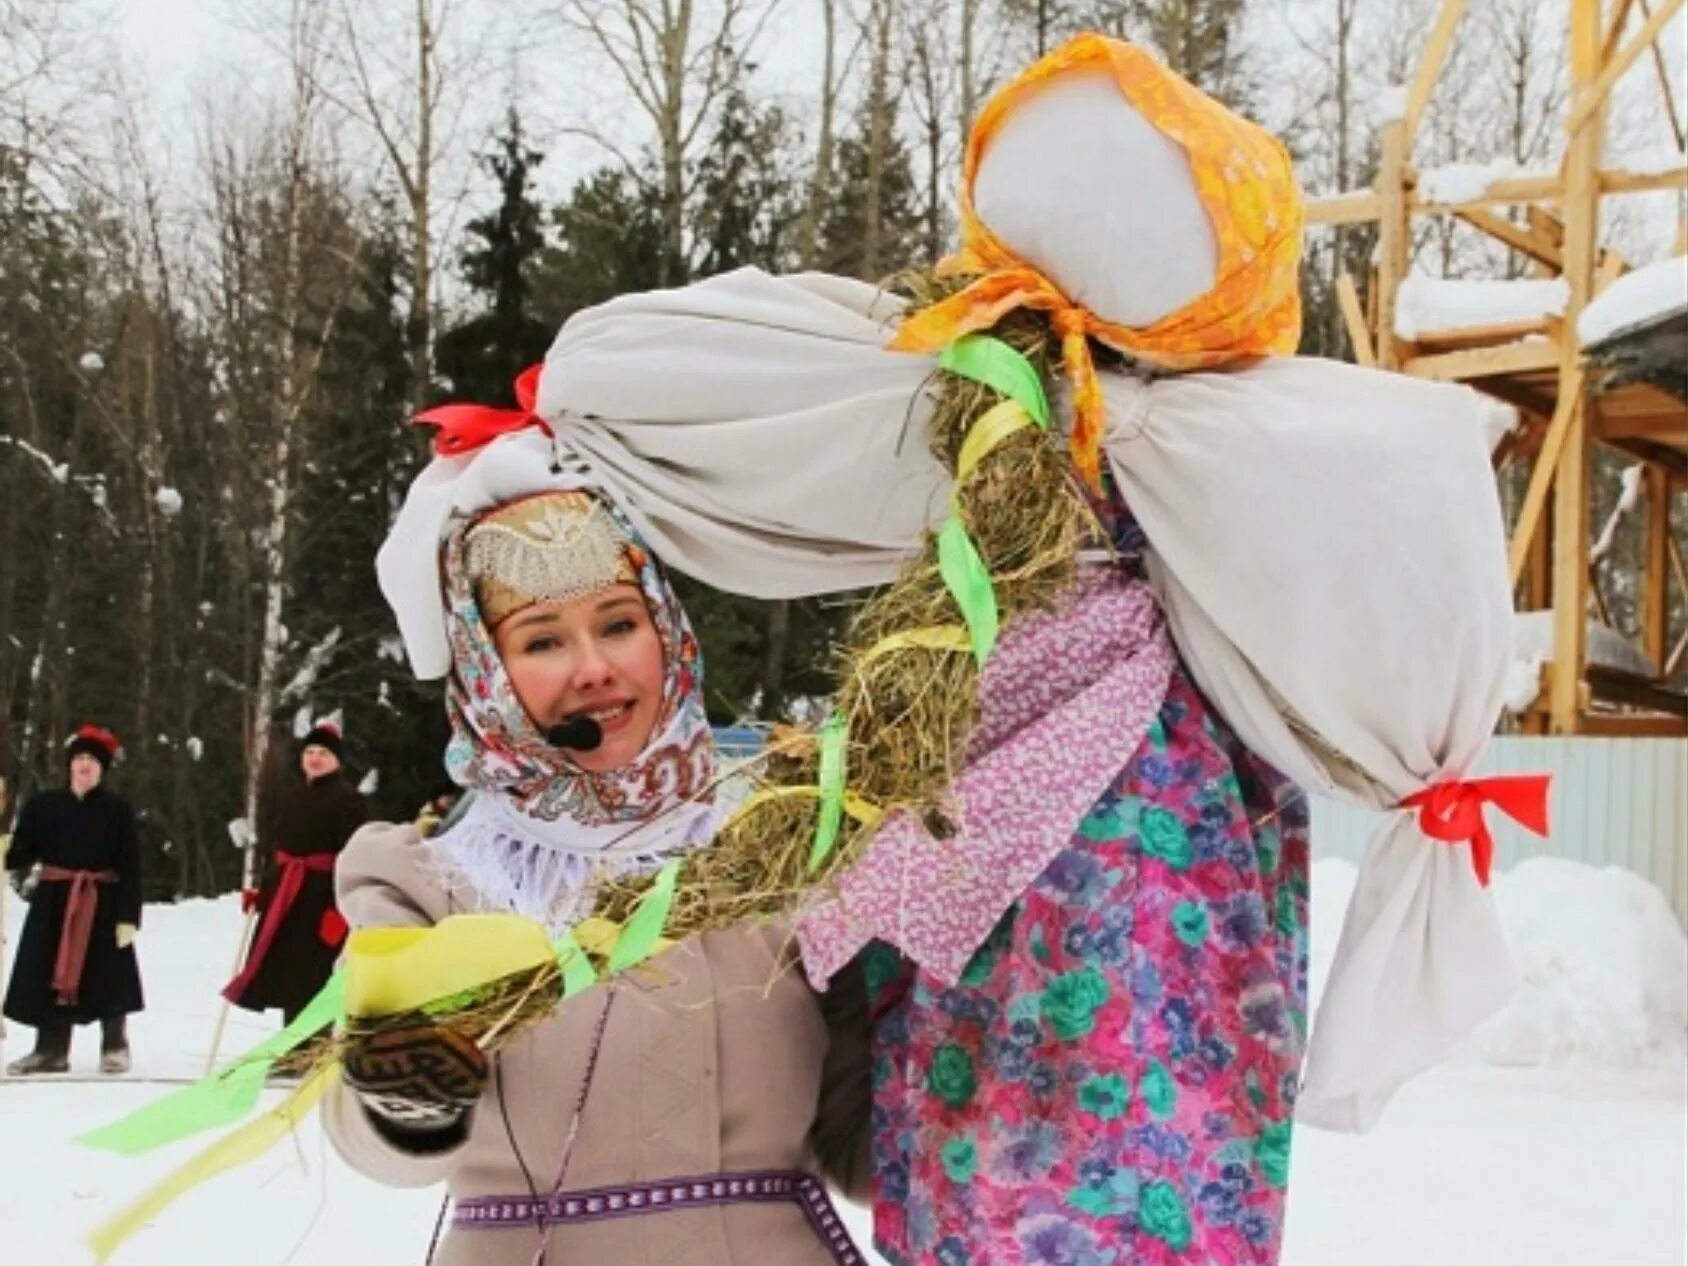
(635, 1199)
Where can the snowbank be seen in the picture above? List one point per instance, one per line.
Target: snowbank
(1634, 299)
(1603, 964)
(1602, 961)
(1426, 304)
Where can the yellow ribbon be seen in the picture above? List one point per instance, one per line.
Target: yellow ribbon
(934, 637)
(236, 1148)
(992, 427)
(389, 970)
(863, 811)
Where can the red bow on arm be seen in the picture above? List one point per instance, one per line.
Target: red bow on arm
(466, 427)
(1453, 812)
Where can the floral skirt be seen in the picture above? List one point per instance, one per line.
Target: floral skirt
(1113, 1079)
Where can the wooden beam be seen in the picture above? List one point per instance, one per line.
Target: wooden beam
(1635, 725)
(1483, 362)
(1614, 29)
(1393, 238)
(1360, 206)
(1612, 266)
(1472, 337)
(1672, 463)
(1614, 685)
(1621, 180)
(1354, 318)
(1517, 236)
(1430, 67)
(1591, 96)
(1655, 564)
(1570, 479)
(1541, 476)
(1545, 224)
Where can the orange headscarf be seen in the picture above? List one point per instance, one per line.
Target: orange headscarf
(1244, 180)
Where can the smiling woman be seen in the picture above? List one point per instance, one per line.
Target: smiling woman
(560, 620)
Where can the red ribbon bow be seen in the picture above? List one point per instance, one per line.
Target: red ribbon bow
(466, 427)
(1453, 812)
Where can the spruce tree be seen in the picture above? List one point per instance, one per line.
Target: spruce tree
(481, 357)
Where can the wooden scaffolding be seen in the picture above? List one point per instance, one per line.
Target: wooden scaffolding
(1568, 400)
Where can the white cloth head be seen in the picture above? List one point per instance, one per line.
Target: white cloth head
(1128, 236)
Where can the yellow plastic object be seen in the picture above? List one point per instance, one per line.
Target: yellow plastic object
(400, 969)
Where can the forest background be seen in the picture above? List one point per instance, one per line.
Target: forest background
(243, 241)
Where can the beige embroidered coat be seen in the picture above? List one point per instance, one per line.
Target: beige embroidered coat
(712, 1060)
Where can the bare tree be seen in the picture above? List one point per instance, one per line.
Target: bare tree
(678, 60)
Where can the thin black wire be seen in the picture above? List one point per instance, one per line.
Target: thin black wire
(527, 1176)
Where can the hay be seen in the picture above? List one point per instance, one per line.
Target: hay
(909, 711)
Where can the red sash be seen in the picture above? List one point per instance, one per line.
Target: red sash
(78, 926)
(293, 867)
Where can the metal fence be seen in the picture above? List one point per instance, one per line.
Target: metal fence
(1615, 802)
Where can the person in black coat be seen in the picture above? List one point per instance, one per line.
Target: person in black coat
(299, 929)
(76, 957)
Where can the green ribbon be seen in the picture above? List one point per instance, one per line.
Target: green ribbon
(1001, 368)
(639, 937)
(969, 583)
(576, 967)
(998, 366)
(225, 1096)
(831, 781)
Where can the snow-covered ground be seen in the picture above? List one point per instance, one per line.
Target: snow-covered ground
(1560, 1139)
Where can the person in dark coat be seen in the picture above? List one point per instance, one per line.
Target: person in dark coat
(299, 929)
(76, 958)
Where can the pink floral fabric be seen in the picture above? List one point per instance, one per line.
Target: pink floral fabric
(1065, 699)
(1111, 1081)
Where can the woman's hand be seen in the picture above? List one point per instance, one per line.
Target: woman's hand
(416, 1075)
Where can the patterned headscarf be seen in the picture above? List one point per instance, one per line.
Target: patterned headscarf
(495, 745)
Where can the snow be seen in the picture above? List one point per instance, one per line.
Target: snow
(1532, 638)
(91, 362)
(1499, 419)
(1579, 1157)
(196, 747)
(58, 472)
(168, 501)
(369, 782)
(1629, 480)
(1522, 683)
(391, 647)
(1439, 303)
(1390, 105)
(1634, 299)
(1465, 182)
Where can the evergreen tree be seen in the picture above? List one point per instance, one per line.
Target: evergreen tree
(749, 200)
(609, 242)
(844, 222)
(481, 357)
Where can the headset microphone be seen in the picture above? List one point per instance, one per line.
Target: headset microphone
(580, 734)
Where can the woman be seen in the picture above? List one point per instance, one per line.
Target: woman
(697, 1080)
(299, 929)
(76, 957)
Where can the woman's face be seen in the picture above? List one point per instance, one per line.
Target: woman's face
(317, 760)
(598, 656)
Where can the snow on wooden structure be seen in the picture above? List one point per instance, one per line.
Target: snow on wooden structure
(1587, 351)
